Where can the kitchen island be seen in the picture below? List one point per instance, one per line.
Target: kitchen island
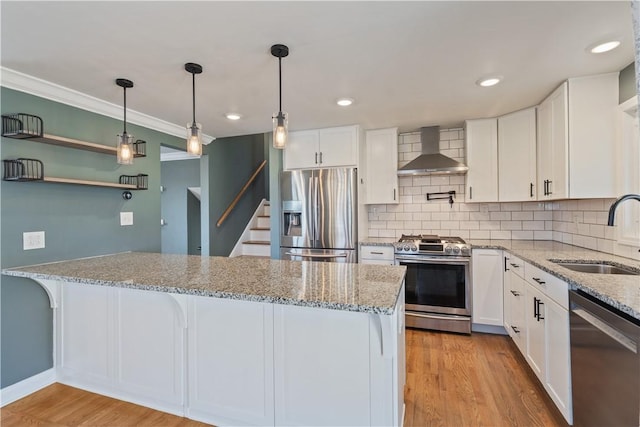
(242, 341)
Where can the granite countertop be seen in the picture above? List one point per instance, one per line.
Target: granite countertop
(617, 290)
(378, 241)
(350, 287)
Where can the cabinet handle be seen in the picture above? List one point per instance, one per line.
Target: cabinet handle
(321, 157)
(549, 187)
(505, 264)
(540, 282)
(394, 194)
(515, 265)
(377, 253)
(516, 293)
(546, 187)
(316, 158)
(470, 193)
(540, 316)
(531, 189)
(516, 330)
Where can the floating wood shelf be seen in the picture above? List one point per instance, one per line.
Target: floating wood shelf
(32, 170)
(27, 126)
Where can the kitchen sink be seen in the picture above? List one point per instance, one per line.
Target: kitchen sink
(597, 268)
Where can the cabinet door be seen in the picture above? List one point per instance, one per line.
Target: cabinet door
(517, 156)
(382, 166)
(558, 358)
(230, 361)
(487, 287)
(518, 322)
(559, 185)
(535, 321)
(544, 149)
(338, 344)
(301, 151)
(482, 160)
(506, 295)
(149, 349)
(338, 147)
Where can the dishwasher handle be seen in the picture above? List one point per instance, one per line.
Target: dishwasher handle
(605, 328)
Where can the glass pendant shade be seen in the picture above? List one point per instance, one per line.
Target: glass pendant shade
(125, 149)
(280, 130)
(194, 139)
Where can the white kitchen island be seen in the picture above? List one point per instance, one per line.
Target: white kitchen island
(232, 341)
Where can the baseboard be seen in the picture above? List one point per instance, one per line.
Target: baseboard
(27, 386)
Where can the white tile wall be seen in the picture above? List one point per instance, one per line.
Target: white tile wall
(577, 222)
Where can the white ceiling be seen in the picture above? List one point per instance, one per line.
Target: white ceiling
(406, 64)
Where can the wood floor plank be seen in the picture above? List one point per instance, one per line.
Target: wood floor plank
(452, 381)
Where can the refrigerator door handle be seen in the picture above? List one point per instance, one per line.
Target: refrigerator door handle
(316, 213)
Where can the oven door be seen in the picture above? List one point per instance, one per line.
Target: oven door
(437, 284)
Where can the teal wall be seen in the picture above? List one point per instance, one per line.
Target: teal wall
(231, 162)
(177, 175)
(78, 221)
(627, 81)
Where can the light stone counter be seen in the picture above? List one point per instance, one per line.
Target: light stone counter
(619, 291)
(378, 241)
(349, 287)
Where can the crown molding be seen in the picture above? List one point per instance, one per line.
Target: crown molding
(44, 89)
(183, 155)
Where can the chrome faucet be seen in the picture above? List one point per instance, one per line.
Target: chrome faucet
(614, 206)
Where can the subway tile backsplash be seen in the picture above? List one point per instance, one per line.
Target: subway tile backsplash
(577, 222)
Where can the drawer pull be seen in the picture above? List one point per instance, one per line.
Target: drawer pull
(515, 293)
(377, 253)
(516, 330)
(540, 282)
(514, 265)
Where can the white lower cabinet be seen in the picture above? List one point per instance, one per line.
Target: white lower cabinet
(245, 363)
(376, 254)
(124, 343)
(487, 269)
(230, 350)
(539, 323)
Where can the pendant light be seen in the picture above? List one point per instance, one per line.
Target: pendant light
(125, 140)
(280, 120)
(194, 130)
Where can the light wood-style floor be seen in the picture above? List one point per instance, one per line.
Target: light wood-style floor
(452, 380)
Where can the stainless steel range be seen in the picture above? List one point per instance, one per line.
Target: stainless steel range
(438, 282)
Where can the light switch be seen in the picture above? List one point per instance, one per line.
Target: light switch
(32, 240)
(126, 218)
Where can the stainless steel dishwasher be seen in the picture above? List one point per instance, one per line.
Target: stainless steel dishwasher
(605, 368)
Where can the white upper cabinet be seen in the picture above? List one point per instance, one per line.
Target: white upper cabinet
(381, 147)
(576, 133)
(517, 156)
(482, 160)
(322, 148)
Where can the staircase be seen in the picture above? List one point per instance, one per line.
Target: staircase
(255, 240)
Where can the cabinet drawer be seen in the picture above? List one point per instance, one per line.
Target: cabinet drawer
(377, 252)
(554, 288)
(516, 265)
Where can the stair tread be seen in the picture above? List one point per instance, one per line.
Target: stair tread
(256, 242)
(261, 228)
(263, 216)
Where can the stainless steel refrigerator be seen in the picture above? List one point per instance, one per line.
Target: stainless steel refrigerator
(319, 215)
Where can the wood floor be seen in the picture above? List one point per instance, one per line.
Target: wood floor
(452, 380)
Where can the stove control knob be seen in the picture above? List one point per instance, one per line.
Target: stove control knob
(465, 250)
(414, 248)
(448, 250)
(406, 247)
(456, 250)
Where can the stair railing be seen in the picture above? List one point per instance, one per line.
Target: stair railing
(235, 201)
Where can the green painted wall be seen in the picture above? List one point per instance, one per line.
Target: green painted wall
(231, 162)
(78, 221)
(177, 175)
(627, 81)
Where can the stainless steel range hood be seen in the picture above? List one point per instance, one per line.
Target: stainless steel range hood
(431, 162)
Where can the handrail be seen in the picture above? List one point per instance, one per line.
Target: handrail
(235, 201)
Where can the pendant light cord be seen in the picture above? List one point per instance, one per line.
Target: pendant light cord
(280, 80)
(194, 98)
(125, 110)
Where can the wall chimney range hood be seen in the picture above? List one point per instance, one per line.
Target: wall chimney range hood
(431, 162)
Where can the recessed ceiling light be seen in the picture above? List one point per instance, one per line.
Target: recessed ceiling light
(489, 81)
(605, 47)
(233, 116)
(344, 102)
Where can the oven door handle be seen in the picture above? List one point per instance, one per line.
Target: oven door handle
(434, 260)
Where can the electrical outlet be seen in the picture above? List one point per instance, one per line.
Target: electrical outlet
(126, 218)
(32, 240)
